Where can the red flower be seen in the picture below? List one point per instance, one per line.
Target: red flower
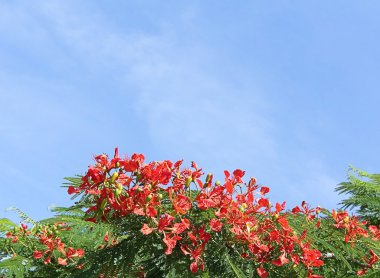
(375, 232)
(139, 158)
(165, 221)
(60, 246)
(124, 180)
(262, 273)
(62, 261)
(370, 262)
(279, 207)
(38, 254)
(295, 259)
(80, 252)
(170, 242)
(229, 186)
(374, 258)
(264, 190)
(309, 212)
(47, 260)
(228, 182)
(311, 257)
(71, 189)
(238, 174)
(263, 203)
(71, 252)
(194, 267)
(179, 228)
(215, 225)
(181, 204)
(195, 254)
(204, 201)
(284, 223)
(281, 260)
(296, 209)
(318, 224)
(106, 237)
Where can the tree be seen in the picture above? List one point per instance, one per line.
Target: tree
(158, 219)
(363, 190)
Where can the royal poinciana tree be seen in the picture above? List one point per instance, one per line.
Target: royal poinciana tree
(161, 219)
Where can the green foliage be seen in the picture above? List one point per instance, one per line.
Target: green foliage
(129, 253)
(15, 266)
(23, 215)
(339, 257)
(363, 194)
(134, 252)
(6, 225)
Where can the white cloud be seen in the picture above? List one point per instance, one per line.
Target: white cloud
(186, 104)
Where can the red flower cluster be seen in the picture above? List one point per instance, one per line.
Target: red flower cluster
(352, 225)
(375, 231)
(18, 232)
(369, 262)
(52, 242)
(310, 213)
(355, 228)
(48, 236)
(124, 186)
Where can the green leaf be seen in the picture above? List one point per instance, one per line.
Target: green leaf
(23, 215)
(238, 272)
(15, 267)
(205, 274)
(6, 224)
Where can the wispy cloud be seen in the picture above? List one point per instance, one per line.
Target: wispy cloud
(171, 92)
(179, 93)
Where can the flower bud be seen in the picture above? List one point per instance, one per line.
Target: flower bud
(249, 226)
(208, 177)
(160, 196)
(55, 230)
(148, 198)
(188, 181)
(103, 204)
(119, 189)
(114, 177)
(318, 209)
(243, 207)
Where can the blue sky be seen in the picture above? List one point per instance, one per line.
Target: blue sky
(286, 90)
